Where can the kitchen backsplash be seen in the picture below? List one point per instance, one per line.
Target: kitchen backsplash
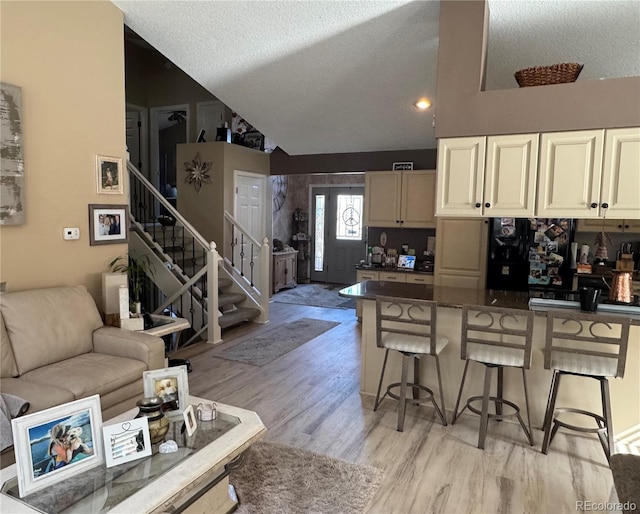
(414, 237)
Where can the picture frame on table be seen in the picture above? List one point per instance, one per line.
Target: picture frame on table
(108, 224)
(171, 385)
(126, 441)
(109, 175)
(190, 420)
(57, 443)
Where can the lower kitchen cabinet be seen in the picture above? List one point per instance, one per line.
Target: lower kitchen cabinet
(284, 270)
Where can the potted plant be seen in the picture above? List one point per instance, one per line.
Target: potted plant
(136, 269)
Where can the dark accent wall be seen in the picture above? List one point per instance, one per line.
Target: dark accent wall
(285, 164)
(463, 109)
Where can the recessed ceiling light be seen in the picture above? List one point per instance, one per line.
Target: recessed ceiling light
(423, 104)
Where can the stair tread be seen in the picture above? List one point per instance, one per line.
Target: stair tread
(230, 298)
(224, 282)
(238, 316)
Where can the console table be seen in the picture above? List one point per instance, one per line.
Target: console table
(195, 477)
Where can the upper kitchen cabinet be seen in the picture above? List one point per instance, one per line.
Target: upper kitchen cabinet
(504, 186)
(621, 174)
(609, 225)
(400, 199)
(570, 174)
(460, 176)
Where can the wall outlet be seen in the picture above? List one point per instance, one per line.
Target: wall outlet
(71, 233)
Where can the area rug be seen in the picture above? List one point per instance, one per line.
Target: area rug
(283, 479)
(274, 343)
(315, 295)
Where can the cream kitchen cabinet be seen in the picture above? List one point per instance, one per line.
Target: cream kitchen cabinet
(596, 225)
(361, 276)
(503, 185)
(621, 174)
(570, 174)
(461, 252)
(400, 199)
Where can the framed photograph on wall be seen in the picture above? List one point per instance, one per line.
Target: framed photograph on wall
(109, 175)
(126, 441)
(54, 444)
(108, 224)
(171, 385)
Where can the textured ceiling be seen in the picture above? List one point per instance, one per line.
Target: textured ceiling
(341, 76)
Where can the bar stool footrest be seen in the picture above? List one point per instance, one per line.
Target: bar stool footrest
(599, 420)
(425, 400)
(496, 400)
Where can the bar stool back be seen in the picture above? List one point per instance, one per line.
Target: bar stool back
(496, 337)
(409, 327)
(586, 345)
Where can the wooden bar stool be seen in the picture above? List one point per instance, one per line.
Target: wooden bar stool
(409, 327)
(498, 338)
(585, 345)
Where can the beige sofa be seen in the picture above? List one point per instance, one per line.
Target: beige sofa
(55, 349)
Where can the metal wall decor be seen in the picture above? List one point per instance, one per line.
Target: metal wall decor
(11, 158)
(197, 172)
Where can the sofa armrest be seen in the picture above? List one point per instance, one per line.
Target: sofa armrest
(133, 345)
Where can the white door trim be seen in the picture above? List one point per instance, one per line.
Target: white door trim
(154, 173)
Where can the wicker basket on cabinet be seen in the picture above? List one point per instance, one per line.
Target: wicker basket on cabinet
(544, 75)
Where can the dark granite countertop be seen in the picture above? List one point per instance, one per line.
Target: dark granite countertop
(445, 296)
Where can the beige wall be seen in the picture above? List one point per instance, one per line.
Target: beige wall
(68, 59)
(464, 110)
(205, 209)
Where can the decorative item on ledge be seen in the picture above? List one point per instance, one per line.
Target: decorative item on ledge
(545, 75)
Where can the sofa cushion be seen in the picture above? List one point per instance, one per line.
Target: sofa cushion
(8, 366)
(49, 325)
(88, 374)
(39, 396)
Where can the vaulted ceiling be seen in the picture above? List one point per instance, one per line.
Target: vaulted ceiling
(320, 76)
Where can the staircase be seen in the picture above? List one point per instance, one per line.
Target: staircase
(189, 275)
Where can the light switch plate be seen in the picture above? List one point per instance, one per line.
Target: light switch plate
(71, 233)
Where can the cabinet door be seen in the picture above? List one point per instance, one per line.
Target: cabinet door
(460, 176)
(621, 174)
(570, 171)
(631, 226)
(362, 275)
(390, 276)
(461, 252)
(382, 198)
(510, 175)
(417, 209)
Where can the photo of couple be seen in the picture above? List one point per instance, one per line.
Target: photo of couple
(109, 224)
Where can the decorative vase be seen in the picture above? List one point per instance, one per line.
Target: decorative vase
(137, 307)
(151, 408)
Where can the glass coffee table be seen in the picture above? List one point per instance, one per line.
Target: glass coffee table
(196, 473)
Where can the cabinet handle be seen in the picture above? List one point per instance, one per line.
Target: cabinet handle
(478, 205)
(605, 205)
(487, 205)
(397, 221)
(626, 226)
(594, 205)
(619, 226)
(401, 221)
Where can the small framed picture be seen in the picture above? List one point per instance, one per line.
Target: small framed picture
(108, 224)
(402, 166)
(109, 175)
(190, 420)
(126, 441)
(171, 385)
(57, 443)
(254, 139)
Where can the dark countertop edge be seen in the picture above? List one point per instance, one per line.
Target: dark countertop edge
(451, 297)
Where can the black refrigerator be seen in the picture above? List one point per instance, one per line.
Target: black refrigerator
(530, 253)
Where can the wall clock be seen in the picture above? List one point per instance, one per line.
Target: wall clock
(280, 183)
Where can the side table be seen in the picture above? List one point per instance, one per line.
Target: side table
(168, 328)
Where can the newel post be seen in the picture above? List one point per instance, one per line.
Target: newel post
(265, 280)
(214, 333)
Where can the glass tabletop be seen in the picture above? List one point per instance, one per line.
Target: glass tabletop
(99, 489)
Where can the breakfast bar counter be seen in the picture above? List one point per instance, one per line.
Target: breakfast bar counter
(625, 393)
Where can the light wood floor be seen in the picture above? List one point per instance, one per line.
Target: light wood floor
(310, 398)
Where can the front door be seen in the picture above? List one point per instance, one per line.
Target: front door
(250, 190)
(338, 238)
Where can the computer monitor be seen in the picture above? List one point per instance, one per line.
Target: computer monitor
(406, 262)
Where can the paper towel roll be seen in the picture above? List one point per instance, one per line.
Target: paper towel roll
(584, 254)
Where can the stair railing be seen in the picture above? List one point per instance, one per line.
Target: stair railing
(249, 262)
(182, 250)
